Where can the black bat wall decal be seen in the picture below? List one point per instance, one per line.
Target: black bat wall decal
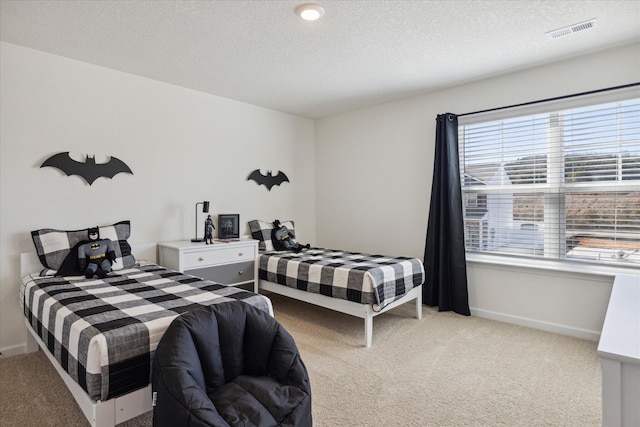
(89, 169)
(267, 180)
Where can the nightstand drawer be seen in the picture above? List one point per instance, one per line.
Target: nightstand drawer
(227, 274)
(198, 259)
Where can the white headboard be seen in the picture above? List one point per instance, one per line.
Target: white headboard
(30, 263)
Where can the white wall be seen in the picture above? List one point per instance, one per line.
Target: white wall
(361, 182)
(374, 168)
(183, 146)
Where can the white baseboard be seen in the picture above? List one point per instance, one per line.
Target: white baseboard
(537, 324)
(14, 350)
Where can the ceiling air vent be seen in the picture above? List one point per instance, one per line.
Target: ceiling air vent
(581, 26)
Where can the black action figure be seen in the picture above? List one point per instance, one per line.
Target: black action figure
(208, 230)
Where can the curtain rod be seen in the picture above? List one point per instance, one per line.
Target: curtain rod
(551, 99)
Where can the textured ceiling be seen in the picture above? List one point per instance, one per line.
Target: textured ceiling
(360, 53)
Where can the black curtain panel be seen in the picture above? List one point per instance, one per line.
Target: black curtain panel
(444, 258)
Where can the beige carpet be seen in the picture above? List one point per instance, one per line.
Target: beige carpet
(444, 370)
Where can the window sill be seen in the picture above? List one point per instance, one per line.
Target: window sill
(554, 265)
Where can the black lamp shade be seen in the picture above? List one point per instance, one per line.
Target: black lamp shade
(205, 207)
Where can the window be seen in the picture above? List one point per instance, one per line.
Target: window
(562, 183)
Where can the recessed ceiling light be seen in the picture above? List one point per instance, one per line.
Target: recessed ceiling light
(309, 11)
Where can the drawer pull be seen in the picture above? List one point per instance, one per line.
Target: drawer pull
(240, 254)
(241, 272)
(200, 259)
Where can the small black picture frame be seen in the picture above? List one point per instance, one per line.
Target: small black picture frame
(228, 226)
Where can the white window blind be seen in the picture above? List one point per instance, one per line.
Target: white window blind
(560, 184)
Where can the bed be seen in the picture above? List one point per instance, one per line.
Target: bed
(101, 334)
(357, 284)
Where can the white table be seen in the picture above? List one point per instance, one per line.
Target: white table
(619, 349)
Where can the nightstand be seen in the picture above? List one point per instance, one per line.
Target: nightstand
(231, 262)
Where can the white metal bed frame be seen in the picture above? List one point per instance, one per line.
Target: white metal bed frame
(106, 413)
(363, 311)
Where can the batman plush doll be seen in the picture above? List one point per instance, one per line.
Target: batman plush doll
(96, 256)
(285, 240)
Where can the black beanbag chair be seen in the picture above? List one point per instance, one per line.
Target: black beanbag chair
(230, 364)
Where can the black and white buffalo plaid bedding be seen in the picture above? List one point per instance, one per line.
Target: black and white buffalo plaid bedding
(361, 278)
(104, 332)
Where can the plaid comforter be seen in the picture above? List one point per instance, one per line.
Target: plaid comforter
(104, 332)
(361, 278)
